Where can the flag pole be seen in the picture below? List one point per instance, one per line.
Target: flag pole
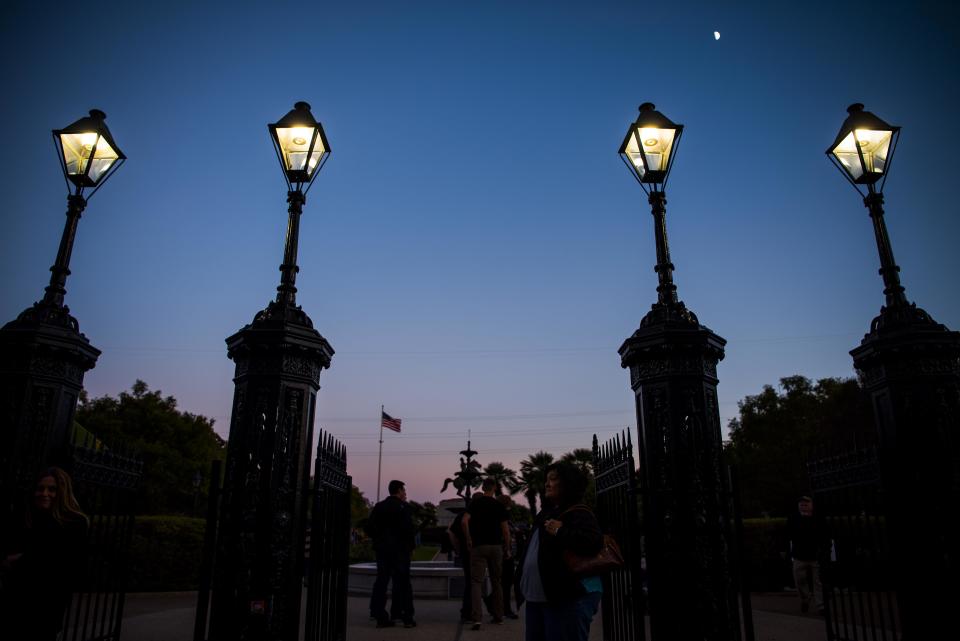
(380, 456)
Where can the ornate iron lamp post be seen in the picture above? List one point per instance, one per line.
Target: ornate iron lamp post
(672, 360)
(43, 355)
(910, 366)
(279, 357)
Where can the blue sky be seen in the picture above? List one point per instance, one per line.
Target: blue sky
(474, 249)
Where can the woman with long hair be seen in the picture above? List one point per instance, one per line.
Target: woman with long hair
(559, 604)
(43, 566)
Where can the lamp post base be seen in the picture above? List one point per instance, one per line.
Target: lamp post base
(673, 372)
(43, 359)
(910, 367)
(259, 563)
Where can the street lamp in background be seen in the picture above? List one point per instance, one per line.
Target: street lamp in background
(43, 355)
(910, 367)
(278, 357)
(672, 360)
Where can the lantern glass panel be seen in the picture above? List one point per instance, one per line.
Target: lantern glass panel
(87, 148)
(633, 153)
(295, 146)
(657, 145)
(653, 143)
(874, 145)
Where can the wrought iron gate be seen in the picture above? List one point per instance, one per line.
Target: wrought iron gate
(619, 506)
(105, 482)
(326, 546)
(623, 596)
(858, 587)
(329, 549)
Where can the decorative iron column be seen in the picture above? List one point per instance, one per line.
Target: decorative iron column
(909, 364)
(43, 355)
(259, 567)
(672, 360)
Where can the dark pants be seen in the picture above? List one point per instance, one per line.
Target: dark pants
(568, 621)
(465, 606)
(392, 567)
(507, 577)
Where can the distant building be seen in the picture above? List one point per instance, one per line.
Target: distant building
(448, 509)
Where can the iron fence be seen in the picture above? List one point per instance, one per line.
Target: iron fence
(624, 600)
(327, 563)
(856, 571)
(105, 481)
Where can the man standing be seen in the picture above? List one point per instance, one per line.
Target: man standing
(487, 539)
(808, 541)
(392, 529)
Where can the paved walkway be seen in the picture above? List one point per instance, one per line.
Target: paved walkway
(168, 616)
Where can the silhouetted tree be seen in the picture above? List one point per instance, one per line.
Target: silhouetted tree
(505, 477)
(581, 457)
(533, 477)
(175, 446)
(778, 432)
(359, 506)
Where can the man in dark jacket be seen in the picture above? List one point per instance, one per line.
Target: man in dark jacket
(393, 532)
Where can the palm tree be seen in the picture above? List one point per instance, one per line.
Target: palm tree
(533, 475)
(582, 458)
(526, 483)
(505, 477)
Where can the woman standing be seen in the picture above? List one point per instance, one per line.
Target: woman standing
(41, 571)
(560, 605)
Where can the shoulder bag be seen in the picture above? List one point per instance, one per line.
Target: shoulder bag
(608, 559)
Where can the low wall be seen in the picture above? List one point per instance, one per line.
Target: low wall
(429, 579)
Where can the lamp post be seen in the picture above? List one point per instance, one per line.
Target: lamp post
(43, 355)
(278, 357)
(672, 360)
(909, 366)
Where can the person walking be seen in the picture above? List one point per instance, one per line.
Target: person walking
(487, 539)
(458, 542)
(391, 527)
(560, 605)
(509, 567)
(808, 541)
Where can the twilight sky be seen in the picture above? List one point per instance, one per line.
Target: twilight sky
(474, 249)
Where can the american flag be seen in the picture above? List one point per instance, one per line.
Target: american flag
(389, 422)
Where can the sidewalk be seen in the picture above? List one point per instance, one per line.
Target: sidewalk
(168, 616)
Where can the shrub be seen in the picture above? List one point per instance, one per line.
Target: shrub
(165, 553)
(763, 542)
(362, 552)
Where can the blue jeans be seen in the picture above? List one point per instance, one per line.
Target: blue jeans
(562, 621)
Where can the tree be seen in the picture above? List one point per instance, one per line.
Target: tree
(582, 457)
(505, 477)
(176, 447)
(424, 515)
(533, 478)
(359, 506)
(777, 433)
